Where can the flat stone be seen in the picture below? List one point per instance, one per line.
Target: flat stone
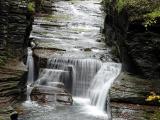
(132, 89)
(47, 94)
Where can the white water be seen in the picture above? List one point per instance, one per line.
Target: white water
(50, 75)
(90, 80)
(30, 66)
(101, 84)
(30, 77)
(81, 72)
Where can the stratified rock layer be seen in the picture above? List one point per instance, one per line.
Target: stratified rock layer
(132, 89)
(15, 27)
(12, 82)
(15, 24)
(51, 94)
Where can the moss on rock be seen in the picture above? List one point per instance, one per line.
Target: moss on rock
(145, 10)
(155, 116)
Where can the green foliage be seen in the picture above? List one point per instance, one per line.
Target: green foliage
(2, 60)
(146, 10)
(120, 5)
(150, 18)
(31, 7)
(1, 118)
(4, 56)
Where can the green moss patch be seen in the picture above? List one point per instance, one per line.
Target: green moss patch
(31, 7)
(144, 10)
(155, 116)
(4, 56)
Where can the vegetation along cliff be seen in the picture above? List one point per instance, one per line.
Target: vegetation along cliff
(132, 32)
(133, 27)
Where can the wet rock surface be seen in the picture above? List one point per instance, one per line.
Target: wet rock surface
(123, 111)
(69, 36)
(12, 79)
(128, 98)
(7, 112)
(132, 89)
(15, 26)
(54, 93)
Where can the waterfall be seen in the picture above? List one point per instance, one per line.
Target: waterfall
(30, 77)
(81, 72)
(84, 78)
(102, 82)
(30, 66)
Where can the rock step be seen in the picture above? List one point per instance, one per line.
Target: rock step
(56, 93)
(135, 90)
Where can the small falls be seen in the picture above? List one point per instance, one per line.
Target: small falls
(84, 78)
(74, 28)
(30, 66)
(30, 77)
(80, 72)
(99, 89)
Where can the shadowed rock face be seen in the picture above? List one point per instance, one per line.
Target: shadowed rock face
(137, 46)
(15, 26)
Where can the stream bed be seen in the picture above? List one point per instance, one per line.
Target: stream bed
(71, 39)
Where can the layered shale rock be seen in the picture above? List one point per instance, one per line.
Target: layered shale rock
(15, 27)
(51, 94)
(135, 90)
(15, 24)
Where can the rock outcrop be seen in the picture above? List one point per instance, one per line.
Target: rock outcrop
(132, 29)
(15, 27)
(134, 90)
(129, 95)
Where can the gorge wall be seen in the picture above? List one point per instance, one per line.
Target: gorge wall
(131, 30)
(15, 27)
(132, 27)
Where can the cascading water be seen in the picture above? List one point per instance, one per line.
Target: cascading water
(82, 72)
(88, 78)
(75, 29)
(99, 89)
(30, 77)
